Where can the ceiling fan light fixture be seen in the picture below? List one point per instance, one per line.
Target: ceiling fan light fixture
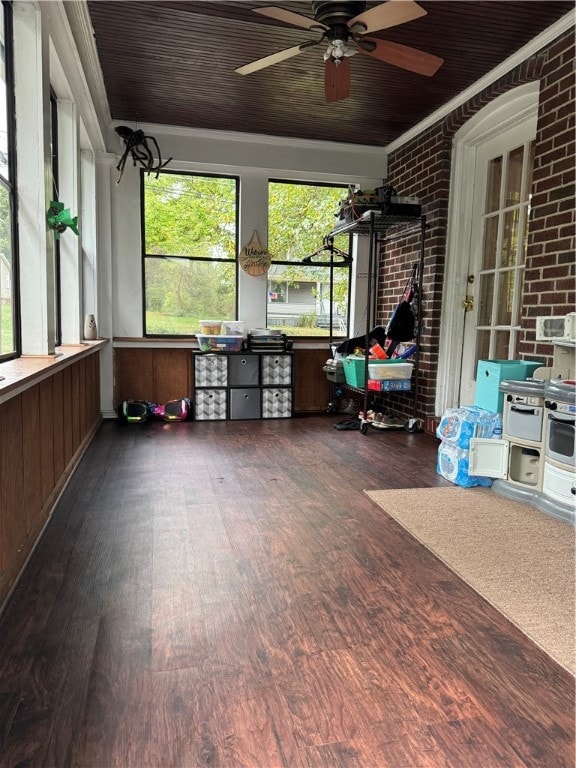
(338, 49)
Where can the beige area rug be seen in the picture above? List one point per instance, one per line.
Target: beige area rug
(519, 559)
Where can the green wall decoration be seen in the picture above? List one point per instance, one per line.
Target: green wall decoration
(59, 219)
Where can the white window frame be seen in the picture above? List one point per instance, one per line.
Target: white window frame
(9, 180)
(34, 179)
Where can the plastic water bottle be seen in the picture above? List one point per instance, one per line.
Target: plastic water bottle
(497, 431)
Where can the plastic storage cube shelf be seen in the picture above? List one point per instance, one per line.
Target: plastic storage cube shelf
(219, 343)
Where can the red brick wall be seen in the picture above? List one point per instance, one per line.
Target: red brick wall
(549, 281)
(421, 168)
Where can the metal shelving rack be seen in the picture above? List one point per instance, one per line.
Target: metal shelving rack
(376, 224)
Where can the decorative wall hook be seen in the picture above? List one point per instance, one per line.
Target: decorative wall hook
(59, 219)
(136, 143)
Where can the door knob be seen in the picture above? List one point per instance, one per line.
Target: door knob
(468, 303)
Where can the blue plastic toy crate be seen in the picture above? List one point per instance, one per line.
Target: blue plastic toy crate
(489, 375)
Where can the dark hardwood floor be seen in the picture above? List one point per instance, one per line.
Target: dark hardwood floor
(223, 594)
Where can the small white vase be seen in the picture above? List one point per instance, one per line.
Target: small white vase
(90, 330)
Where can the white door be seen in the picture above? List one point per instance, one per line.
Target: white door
(487, 234)
(497, 254)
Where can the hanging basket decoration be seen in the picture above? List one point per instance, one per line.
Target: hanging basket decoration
(59, 219)
(254, 257)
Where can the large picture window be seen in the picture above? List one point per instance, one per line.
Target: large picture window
(190, 242)
(9, 335)
(308, 284)
(55, 196)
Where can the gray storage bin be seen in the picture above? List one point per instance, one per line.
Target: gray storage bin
(210, 404)
(276, 369)
(243, 370)
(277, 403)
(245, 403)
(211, 370)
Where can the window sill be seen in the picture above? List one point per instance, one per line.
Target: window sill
(175, 342)
(18, 375)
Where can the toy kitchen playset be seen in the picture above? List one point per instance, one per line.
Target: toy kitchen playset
(535, 460)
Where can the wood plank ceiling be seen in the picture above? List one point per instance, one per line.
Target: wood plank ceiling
(173, 63)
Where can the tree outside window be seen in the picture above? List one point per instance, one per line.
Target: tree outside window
(190, 246)
(300, 216)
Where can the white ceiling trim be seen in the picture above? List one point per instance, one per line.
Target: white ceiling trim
(81, 39)
(541, 41)
(253, 138)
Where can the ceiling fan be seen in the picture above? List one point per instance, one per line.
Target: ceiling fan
(343, 25)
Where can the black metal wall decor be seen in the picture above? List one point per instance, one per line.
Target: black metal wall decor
(138, 147)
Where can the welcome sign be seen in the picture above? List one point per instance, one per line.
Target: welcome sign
(254, 257)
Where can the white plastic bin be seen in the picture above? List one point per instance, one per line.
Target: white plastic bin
(388, 370)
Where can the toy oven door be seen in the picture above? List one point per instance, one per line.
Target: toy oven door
(560, 438)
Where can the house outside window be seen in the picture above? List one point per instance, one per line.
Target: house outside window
(304, 298)
(9, 325)
(190, 246)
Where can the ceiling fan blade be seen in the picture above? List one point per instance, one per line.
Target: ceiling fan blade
(297, 19)
(386, 15)
(337, 79)
(402, 56)
(274, 58)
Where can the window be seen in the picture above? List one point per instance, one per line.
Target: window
(9, 328)
(307, 299)
(55, 183)
(190, 242)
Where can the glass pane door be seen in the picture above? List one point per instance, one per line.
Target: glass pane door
(504, 236)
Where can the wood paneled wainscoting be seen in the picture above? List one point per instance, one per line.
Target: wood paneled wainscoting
(48, 415)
